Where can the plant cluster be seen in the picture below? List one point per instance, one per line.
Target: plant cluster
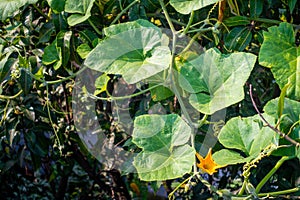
(122, 99)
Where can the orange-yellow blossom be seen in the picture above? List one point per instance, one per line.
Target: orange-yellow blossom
(207, 164)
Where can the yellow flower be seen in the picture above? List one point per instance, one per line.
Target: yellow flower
(207, 164)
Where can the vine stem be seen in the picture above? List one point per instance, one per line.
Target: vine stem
(172, 82)
(268, 176)
(11, 97)
(56, 81)
(286, 137)
(4, 113)
(113, 98)
(50, 119)
(124, 11)
(279, 192)
(94, 27)
(189, 23)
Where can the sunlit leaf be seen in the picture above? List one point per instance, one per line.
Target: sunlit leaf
(134, 53)
(81, 10)
(216, 81)
(290, 112)
(187, 6)
(165, 151)
(280, 53)
(229, 157)
(247, 135)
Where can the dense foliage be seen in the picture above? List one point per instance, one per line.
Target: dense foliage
(122, 99)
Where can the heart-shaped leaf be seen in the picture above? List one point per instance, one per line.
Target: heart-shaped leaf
(187, 6)
(280, 53)
(247, 135)
(165, 151)
(215, 80)
(134, 50)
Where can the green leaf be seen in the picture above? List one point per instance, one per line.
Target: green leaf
(80, 8)
(4, 66)
(238, 38)
(292, 4)
(290, 117)
(160, 93)
(281, 100)
(7, 8)
(256, 8)
(46, 32)
(101, 83)
(57, 5)
(280, 53)
(165, 151)
(237, 21)
(63, 42)
(290, 112)
(83, 50)
(58, 53)
(247, 135)
(216, 80)
(228, 157)
(25, 81)
(134, 53)
(187, 6)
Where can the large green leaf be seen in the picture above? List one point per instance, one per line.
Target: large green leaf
(247, 135)
(215, 80)
(165, 151)
(290, 113)
(290, 116)
(280, 53)
(81, 10)
(134, 50)
(7, 8)
(187, 6)
(229, 157)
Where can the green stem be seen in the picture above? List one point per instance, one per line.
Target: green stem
(168, 18)
(56, 81)
(201, 30)
(94, 27)
(50, 119)
(124, 11)
(268, 176)
(183, 182)
(189, 23)
(279, 192)
(190, 43)
(41, 12)
(113, 98)
(172, 82)
(4, 113)
(163, 17)
(242, 190)
(11, 97)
